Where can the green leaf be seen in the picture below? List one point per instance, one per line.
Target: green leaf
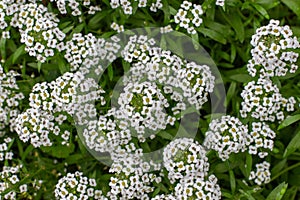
(235, 21)
(165, 135)
(39, 66)
(60, 151)
(62, 65)
(232, 53)
(293, 145)
(294, 5)
(288, 121)
(19, 52)
(278, 192)
(212, 34)
(279, 166)
(230, 93)
(232, 181)
(268, 4)
(110, 72)
(248, 164)
(94, 22)
(2, 48)
(243, 78)
(261, 10)
(78, 28)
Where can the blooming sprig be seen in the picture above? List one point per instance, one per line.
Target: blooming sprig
(9, 177)
(5, 153)
(128, 5)
(181, 81)
(13, 174)
(52, 105)
(80, 47)
(262, 100)
(189, 16)
(76, 6)
(184, 157)
(273, 50)
(39, 31)
(10, 97)
(226, 135)
(77, 186)
(260, 139)
(42, 129)
(142, 106)
(262, 174)
(117, 27)
(106, 134)
(136, 185)
(195, 187)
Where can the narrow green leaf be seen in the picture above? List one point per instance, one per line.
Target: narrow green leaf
(39, 66)
(2, 48)
(294, 5)
(278, 192)
(293, 145)
(279, 166)
(261, 10)
(110, 72)
(235, 21)
(62, 65)
(230, 92)
(165, 135)
(232, 181)
(94, 22)
(232, 53)
(248, 164)
(78, 28)
(67, 29)
(212, 34)
(242, 78)
(288, 121)
(20, 51)
(173, 11)
(268, 4)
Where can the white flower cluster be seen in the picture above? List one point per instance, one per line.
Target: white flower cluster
(117, 27)
(220, 2)
(9, 177)
(10, 97)
(143, 107)
(226, 135)
(89, 54)
(77, 186)
(195, 187)
(182, 81)
(262, 100)
(105, 134)
(189, 16)
(127, 5)
(135, 185)
(183, 157)
(79, 48)
(12, 185)
(51, 105)
(187, 165)
(5, 153)
(39, 31)
(260, 139)
(273, 52)
(262, 174)
(7, 9)
(75, 6)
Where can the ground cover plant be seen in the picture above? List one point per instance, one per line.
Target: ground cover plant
(149, 99)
